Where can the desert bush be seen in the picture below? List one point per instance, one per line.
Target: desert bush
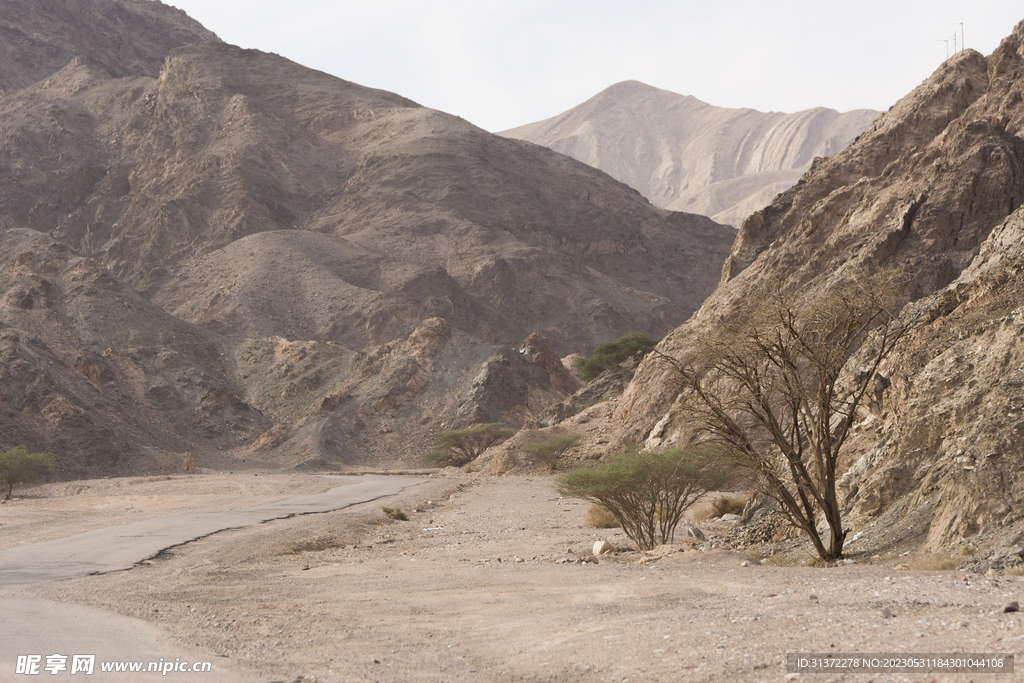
(456, 448)
(395, 514)
(932, 562)
(311, 545)
(728, 505)
(703, 514)
(547, 452)
(19, 466)
(647, 491)
(611, 353)
(600, 517)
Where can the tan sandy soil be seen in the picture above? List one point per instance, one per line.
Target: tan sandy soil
(485, 583)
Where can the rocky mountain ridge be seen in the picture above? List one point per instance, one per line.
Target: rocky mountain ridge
(931, 192)
(686, 155)
(214, 257)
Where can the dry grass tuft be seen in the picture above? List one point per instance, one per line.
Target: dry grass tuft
(932, 562)
(725, 505)
(728, 505)
(312, 544)
(703, 514)
(599, 517)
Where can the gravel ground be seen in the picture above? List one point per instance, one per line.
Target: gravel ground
(491, 580)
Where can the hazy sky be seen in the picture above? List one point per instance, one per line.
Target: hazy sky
(503, 63)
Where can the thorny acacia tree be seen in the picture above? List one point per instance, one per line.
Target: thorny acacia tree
(19, 466)
(648, 491)
(459, 447)
(772, 390)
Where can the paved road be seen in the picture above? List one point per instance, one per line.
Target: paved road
(32, 626)
(120, 547)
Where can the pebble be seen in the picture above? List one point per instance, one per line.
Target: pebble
(1011, 607)
(887, 613)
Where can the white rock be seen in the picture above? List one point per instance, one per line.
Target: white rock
(602, 547)
(730, 517)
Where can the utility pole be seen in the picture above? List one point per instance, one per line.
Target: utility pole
(946, 41)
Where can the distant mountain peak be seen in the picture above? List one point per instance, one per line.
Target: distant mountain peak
(687, 155)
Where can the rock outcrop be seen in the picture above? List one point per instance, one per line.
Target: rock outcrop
(932, 191)
(687, 155)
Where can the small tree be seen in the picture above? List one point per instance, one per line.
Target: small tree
(18, 466)
(648, 491)
(547, 452)
(457, 448)
(773, 392)
(607, 354)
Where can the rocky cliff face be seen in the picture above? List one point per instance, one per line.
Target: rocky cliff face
(216, 252)
(113, 384)
(687, 155)
(931, 191)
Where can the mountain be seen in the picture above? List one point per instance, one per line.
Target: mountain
(122, 37)
(931, 191)
(394, 213)
(218, 252)
(687, 155)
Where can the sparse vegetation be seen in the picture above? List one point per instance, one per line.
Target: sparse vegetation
(703, 514)
(395, 514)
(611, 353)
(19, 466)
(547, 452)
(771, 390)
(600, 517)
(312, 544)
(648, 491)
(932, 562)
(728, 505)
(459, 447)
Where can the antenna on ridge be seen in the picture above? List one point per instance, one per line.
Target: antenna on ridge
(963, 45)
(946, 41)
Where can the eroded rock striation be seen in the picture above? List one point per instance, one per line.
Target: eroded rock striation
(687, 155)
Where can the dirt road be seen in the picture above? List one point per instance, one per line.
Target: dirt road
(486, 583)
(34, 627)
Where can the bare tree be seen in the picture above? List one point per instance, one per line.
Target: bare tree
(773, 391)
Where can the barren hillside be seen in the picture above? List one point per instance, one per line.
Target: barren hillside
(219, 258)
(932, 190)
(687, 155)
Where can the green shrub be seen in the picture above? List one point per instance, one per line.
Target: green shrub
(611, 353)
(456, 448)
(648, 491)
(547, 452)
(395, 514)
(18, 466)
